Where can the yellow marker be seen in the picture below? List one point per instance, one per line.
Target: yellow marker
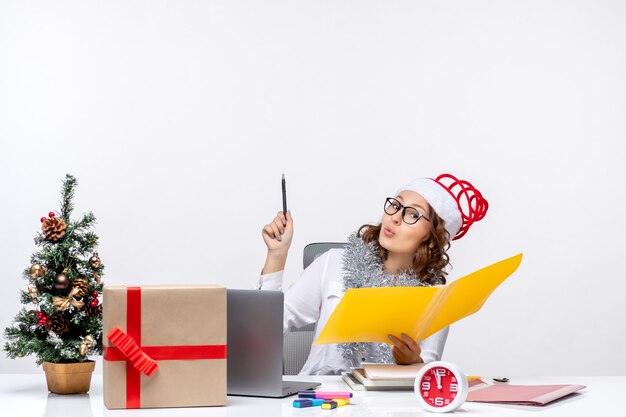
(473, 378)
(338, 402)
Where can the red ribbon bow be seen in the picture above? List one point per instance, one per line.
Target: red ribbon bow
(137, 357)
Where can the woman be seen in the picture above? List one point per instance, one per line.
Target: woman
(407, 248)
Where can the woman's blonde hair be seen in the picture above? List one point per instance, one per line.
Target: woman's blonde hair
(430, 259)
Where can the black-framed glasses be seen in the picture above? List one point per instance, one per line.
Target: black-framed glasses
(410, 215)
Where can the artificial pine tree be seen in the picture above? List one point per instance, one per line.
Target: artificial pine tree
(62, 322)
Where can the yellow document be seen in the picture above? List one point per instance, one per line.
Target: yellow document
(370, 314)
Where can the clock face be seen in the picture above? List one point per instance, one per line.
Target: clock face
(439, 387)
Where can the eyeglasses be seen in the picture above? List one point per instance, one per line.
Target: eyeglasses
(410, 215)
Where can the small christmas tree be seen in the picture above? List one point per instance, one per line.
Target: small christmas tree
(62, 322)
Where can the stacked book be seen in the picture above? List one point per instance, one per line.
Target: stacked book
(380, 376)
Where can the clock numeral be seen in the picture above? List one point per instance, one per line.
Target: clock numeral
(427, 378)
(426, 386)
(440, 372)
(454, 387)
(454, 379)
(438, 401)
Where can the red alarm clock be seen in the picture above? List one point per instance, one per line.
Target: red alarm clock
(440, 387)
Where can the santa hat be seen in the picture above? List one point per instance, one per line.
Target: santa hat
(456, 201)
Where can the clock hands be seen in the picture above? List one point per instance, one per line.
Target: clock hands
(438, 377)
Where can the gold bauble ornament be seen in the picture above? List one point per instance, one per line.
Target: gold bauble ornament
(88, 340)
(83, 349)
(94, 261)
(61, 282)
(36, 271)
(20, 355)
(33, 291)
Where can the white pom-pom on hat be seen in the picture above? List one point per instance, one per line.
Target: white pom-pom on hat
(456, 201)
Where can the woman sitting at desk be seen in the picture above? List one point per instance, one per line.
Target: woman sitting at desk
(407, 248)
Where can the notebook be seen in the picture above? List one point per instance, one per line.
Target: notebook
(384, 371)
(521, 394)
(357, 381)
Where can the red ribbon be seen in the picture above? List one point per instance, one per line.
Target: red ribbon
(127, 347)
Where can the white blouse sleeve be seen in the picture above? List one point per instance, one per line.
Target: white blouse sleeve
(432, 347)
(303, 299)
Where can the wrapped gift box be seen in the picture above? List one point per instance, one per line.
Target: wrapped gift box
(164, 346)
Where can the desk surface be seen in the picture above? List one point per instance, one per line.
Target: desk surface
(23, 395)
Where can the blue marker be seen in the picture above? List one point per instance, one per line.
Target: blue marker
(308, 402)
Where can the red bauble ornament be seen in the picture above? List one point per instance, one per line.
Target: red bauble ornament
(44, 319)
(93, 303)
(51, 214)
(40, 322)
(94, 294)
(39, 314)
(43, 219)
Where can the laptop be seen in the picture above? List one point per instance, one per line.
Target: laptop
(255, 345)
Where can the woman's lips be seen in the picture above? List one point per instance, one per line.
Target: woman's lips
(389, 232)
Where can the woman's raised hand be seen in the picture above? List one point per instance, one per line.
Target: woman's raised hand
(278, 234)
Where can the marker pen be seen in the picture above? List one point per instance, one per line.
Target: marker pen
(307, 402)
(338, 402)
(327, 395)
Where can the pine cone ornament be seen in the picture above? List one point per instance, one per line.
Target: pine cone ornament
(57, 324)
(53, 229)
(80, 286)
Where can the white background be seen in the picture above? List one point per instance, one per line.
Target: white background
(179, 117)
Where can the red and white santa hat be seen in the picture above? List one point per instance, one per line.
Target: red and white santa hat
(456, 201)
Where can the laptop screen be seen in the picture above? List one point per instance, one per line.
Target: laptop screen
(255, 342)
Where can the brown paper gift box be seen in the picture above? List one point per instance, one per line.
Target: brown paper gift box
(178, 327)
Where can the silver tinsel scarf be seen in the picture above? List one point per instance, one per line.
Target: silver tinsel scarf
(363, 268)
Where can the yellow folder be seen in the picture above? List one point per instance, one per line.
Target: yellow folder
(370, 314)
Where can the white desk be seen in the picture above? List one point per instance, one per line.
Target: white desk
(23, 395)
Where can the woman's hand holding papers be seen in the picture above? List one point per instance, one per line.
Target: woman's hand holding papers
(405, 350)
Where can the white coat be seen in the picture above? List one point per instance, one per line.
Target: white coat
(313, 297)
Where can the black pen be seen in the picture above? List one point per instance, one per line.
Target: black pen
(284, 197)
